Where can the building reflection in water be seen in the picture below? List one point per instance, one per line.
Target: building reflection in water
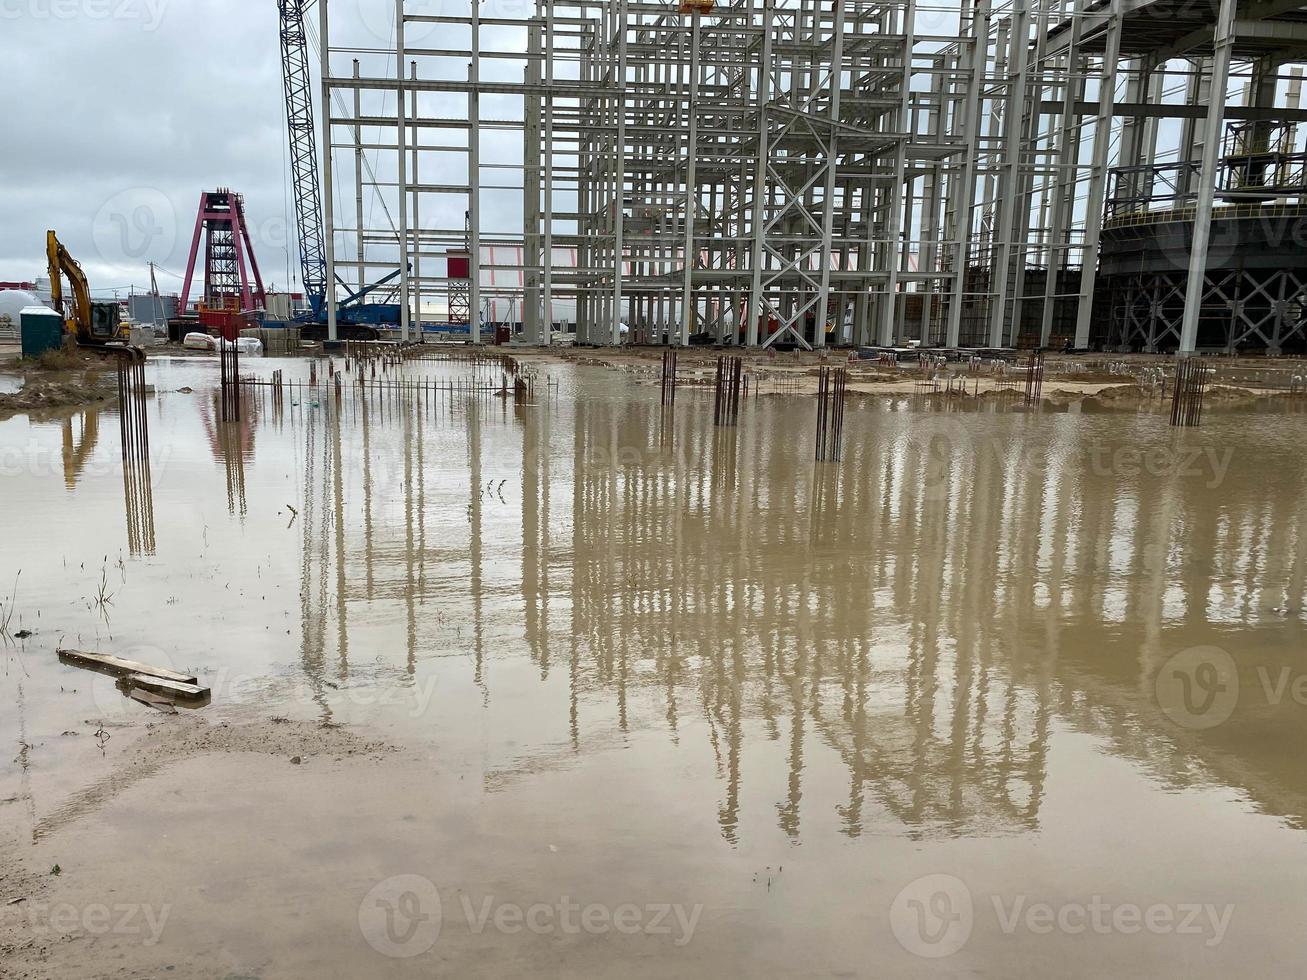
(81, 434)
(81, 437)
(232, 444)
(929, 612)
(138, 495)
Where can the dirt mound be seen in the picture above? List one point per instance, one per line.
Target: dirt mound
(184, 737)
(1118, 396)
(70, 377)
(1227, 396)
(42, 394)
(873, 377)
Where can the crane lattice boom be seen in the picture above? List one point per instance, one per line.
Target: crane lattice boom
(303, 149)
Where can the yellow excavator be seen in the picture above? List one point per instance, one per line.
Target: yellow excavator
(91, 324)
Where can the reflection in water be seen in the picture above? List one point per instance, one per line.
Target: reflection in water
(232, 442)
(138, 495)
(316, 520)
(81, 436)
(134, 432)
(923, 615)
(78, 450)
(233, 460)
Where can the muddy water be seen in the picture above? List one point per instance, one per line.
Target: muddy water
(1005, 692)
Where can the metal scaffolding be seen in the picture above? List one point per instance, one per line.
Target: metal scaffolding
(789, 171)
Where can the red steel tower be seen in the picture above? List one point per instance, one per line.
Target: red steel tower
(229, 262)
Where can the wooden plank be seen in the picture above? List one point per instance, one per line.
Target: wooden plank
(105, 663)
(159, 685)
(156, 701)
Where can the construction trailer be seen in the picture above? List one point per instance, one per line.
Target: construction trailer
(1124, 173)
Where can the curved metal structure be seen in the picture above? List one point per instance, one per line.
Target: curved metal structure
(1254, 272)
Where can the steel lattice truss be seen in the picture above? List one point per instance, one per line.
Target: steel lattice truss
(796, 171)
(303, 148)
(1240, 309)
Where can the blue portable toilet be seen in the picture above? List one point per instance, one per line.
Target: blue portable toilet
(42, 329)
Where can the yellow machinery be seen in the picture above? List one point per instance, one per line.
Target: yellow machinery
(91, 323)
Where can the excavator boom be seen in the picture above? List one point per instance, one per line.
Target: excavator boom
(90, 323)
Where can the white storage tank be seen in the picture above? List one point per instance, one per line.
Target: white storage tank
(12, 303)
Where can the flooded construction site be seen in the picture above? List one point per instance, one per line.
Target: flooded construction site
(677, 488)
(516, 662)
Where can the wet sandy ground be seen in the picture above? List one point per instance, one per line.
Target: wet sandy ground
(582, 688)
(1130, 381)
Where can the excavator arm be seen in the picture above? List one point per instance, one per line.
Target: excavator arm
(93, 324)
(62, 264)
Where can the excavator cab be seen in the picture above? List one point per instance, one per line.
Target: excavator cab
(105, 323)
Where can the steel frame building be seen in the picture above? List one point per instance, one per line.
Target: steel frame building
(807, 172)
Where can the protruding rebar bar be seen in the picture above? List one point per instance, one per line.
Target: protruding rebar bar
(669, 376)
(832, 384)
(1035, 377)
(1188, 392)
(730, 374)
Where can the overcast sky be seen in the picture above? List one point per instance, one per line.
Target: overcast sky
(118, 113)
